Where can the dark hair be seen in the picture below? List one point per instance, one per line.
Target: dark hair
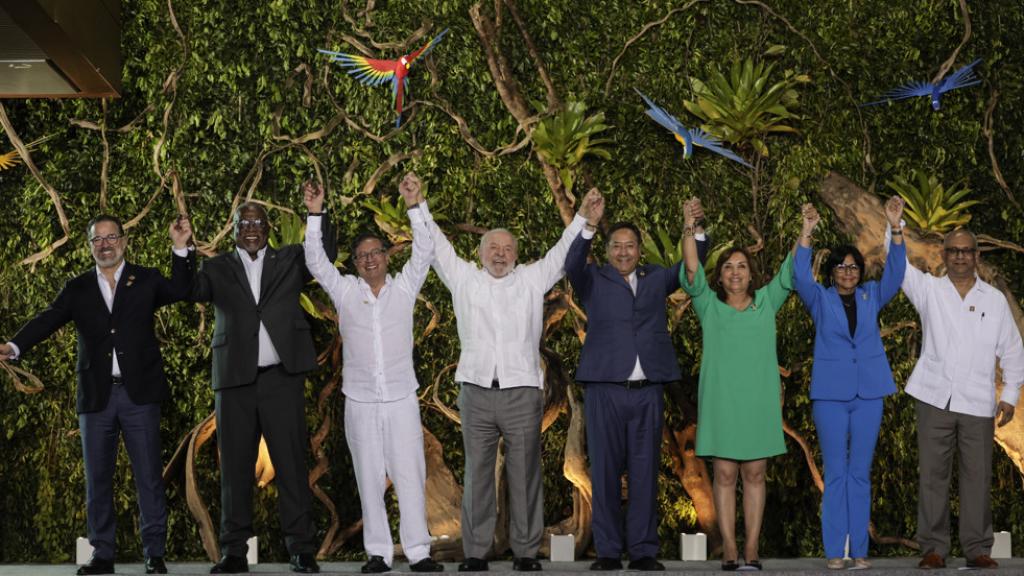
(627, 226)
(105, 218)
(837, 256)
(722, 259)
(362, 238)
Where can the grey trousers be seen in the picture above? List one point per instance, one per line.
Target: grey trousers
(513, 414)
(939, 433)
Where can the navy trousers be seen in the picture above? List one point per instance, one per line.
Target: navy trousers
(139, 424)
(624, 435)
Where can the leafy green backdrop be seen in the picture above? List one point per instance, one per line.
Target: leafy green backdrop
(215, 104)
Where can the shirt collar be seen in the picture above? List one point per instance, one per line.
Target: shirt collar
(117, 273)
(245, 255)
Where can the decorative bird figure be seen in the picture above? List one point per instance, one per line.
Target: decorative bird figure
(373, 72)
(960, 79)
(689, 137)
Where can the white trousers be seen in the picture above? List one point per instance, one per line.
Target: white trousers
(386, 441)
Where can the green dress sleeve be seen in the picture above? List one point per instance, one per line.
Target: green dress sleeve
(701, 295)
(778, 289)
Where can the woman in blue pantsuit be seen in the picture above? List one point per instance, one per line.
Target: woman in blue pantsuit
(849, 379)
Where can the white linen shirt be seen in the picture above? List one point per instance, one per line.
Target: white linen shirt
(254, 273)
(500, 320)
(963, 338)
(377, 331)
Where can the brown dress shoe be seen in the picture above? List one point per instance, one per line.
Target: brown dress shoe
(982, 561)
(931, 560)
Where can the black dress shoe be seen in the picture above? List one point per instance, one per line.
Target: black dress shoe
(304, 563)
(155, 565)
(230, 565)
(96, 566)
(606, 564)
(375, 565)
(473, 565)
(427, 565)
(526, 565)
(646, 564)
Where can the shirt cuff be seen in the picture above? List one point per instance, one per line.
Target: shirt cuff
(182, 252)
(416, 213)
(588, 233)
(700, 236)
(1010, 395)
(313, 223)
(424, 212)
(16, 352)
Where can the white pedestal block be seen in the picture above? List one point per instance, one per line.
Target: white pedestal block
(1001, 546)
(694, 547)
(253, 556)
(563, 548)
(83, 551)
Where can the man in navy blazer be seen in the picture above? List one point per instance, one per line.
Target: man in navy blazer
(121, 380)
(626, 359)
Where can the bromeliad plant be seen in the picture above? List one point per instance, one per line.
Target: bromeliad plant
(930, 205)
(563, 140)
(743, 107)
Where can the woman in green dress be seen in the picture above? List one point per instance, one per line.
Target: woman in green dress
(739, 398)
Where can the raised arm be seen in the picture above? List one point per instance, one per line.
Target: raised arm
(317, 262)
(551, 267)
(803, 276)
(896, 259)
(592, 208)
(183, 264)
(691, 257)
(414, 273)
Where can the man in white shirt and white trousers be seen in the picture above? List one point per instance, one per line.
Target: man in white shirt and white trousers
(382, 411)
(500, 314)
(968, 326)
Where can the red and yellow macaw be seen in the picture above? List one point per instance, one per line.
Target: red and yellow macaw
(372, 72)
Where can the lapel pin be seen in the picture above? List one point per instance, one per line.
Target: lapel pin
(131, 279)
(972, 308)
(864, 296)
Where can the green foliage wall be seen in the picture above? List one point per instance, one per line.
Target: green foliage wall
(243, 68)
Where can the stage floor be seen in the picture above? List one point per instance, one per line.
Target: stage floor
(781, 566)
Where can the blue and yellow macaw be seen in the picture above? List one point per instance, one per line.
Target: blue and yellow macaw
(960, 79)
(372, 72)
(688, 137)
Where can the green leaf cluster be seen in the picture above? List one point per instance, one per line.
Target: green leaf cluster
(563, 140)
(931, 206)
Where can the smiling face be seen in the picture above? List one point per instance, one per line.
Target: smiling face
(371, 258)
(735, 274)
(960, 255)
(251, 228)
(106, 251)
(846, 275)
(498, 252)
(623, 251)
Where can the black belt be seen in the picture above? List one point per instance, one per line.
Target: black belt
(116, 380)
(267, 368)
(633, 384)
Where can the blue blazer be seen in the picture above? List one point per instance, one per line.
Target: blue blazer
(621, 326)
(846, 367)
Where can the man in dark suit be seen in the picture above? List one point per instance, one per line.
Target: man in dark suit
(121, 380)
(262, 349)
(626, 360)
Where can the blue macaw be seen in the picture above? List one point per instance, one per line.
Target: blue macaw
(688, 137)
(960, 79)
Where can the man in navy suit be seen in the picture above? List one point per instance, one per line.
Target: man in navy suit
(626, 360)
(121, 380)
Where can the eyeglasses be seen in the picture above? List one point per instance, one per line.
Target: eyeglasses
(109, 239)
(847, 268)
(952, 252)
(250, 223)
(371, 254)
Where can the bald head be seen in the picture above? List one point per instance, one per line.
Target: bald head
(498, 252)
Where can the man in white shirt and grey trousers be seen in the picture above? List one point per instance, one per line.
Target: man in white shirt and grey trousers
(968, 326)
(500, 314)
(382, 411)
